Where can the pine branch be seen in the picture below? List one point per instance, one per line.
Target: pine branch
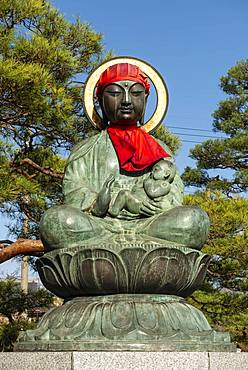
(24, 173)
(46, 170)
(21, 246)
(213, 273)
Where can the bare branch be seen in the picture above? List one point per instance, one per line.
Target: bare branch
(21, 246)
(4, 243)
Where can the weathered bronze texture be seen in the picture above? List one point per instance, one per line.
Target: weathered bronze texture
(122, 251)
(88, 169)
(123, 100)
(123, 268)
(127, 322)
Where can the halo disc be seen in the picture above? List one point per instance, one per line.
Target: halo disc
(152, 74)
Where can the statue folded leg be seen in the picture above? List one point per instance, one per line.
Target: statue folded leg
(67, 226)
(188, 225)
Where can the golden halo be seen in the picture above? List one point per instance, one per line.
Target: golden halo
(153, 75)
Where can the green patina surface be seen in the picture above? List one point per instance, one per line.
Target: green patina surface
(123, 252)
(129, 322)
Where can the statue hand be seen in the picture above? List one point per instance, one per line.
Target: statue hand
(107, 184)
(103, 199)
(150, 208)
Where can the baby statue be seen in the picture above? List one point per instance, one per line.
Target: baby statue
(156, 186)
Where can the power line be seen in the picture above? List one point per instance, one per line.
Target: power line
(195, 135)
(191, 129)
(213, 137)
(191, 141)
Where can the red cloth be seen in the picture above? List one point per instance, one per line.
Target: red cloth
(135, 148)
(122, 71)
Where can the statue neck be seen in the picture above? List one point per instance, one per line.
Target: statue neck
(123, 124)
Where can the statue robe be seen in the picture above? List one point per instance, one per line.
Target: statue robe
(90, 164)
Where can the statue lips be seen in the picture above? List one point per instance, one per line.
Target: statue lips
(126, 114)
(126, 110)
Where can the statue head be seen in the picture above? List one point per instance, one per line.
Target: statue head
(122, 91)
(163, 170)
(128, 75)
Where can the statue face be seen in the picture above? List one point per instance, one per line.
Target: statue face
(124, 100)
(160, 171)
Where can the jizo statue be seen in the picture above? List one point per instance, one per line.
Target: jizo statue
(122, 250)
(106, 180)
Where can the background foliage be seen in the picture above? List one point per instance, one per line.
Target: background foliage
(14, 305)
(44, 60)
(227, 155)
(224, 296)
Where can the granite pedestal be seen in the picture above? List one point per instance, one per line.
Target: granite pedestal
(123, 360)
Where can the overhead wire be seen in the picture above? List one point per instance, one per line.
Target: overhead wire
(195, 135)
(191, 141)
(189, 128)
(213, 137)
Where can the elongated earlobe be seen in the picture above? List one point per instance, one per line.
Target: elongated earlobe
(142, 120)
(104, 117)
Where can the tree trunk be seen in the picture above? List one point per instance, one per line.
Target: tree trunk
(24, 263)
(24, 274)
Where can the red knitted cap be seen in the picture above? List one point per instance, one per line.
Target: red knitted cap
(122, 71)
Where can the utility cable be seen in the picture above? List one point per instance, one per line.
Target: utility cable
(213, 137)
(188, 128)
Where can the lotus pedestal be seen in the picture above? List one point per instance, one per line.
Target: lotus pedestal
(128, 298)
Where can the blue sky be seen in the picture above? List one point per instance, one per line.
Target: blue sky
(192, 43)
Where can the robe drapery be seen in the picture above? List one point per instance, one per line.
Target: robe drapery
(91, 163)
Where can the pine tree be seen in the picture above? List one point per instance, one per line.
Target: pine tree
(165, 135)
(43, 62)
(229, 153)
(223, 297)
(13, 303)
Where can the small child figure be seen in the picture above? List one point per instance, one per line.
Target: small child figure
(156, 186)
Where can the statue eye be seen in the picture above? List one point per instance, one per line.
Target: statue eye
(113, 93)
(137, 92)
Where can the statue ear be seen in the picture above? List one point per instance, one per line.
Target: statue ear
(104, 117)
(141, 121)
(171, 173)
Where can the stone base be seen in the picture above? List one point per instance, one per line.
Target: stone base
(148, 346)
(124, 360)
(128, 322)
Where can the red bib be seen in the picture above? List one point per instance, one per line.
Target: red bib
(136, 149)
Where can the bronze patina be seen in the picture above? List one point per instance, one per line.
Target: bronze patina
(122, 250)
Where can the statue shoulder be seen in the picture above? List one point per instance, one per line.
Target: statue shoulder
(166, 148)
(82, 148)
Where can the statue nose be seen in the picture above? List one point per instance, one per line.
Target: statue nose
(126, 98)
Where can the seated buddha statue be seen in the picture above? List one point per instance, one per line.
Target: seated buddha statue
(119, 162)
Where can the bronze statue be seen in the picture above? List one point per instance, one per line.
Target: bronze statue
(98, 191)
(122, 250)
